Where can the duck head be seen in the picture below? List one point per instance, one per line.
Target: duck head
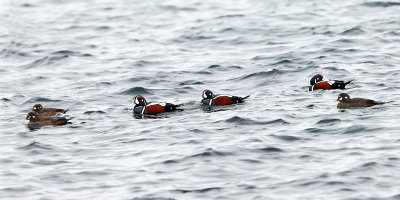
(207, 94)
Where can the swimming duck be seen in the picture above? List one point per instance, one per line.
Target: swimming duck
(142, 107)
(46, 112)
(36, 120)
(216, 100)
(317, 82)
(346, 102)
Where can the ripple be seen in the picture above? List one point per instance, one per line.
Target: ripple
(353, 31)
(12, 52)
(230, 16)
(354, 129)
(18, 189)
(136, 91)
(243, 121)
(94, 112)
(45, 61)
(143, 63)
(263, 74)
(204, 190)
(5, 99)
(152, 198)
(191, 82)
(271, 149)
(328, 121)
(36, 145)
(383, 4)
(177, 8)
(49, 162)
(211, 153)
(71, 53)
(288, 138)
(222, 68)
(40, 99)
(282, 62)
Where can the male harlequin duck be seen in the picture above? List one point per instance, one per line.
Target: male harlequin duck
(346, 102)
(46, 112)
(317, 82)
(212, 100)
(36, 120)
(142, 107)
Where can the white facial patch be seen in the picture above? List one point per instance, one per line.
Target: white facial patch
(340, 98)
(204, 95)
(136, 101)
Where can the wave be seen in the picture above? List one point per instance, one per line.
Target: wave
(203, 190)
(211, 153)
(71, 53)
(136, 91)
(262, 74)
(36, 145)
(271, 149)
(383, 4)
(243, 121)
(40, 99)
(357, 30)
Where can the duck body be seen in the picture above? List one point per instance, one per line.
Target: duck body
(36, 120)
(217, 100)
(346, 102)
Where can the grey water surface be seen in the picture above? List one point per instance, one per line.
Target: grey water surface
(93, 57)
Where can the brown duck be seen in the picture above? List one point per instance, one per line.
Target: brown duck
(36, 120)
(346, 102)
(46, 112)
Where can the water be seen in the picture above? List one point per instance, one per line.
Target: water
(284, 142)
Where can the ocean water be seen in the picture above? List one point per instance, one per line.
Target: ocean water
(93, 57)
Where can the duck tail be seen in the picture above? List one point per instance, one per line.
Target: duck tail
(243, 98)
(348, 82)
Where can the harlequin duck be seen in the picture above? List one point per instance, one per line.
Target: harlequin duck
(210, 99)
(142, 107)
(46, 112)
(36, 120)
(317, 82)
(346, 102)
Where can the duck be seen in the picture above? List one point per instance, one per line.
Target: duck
(152, 108)
(36, 120)
(346, 102)
(217, 100)
(317, 83)
(46, 112)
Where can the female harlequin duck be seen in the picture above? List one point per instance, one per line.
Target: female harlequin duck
(346, 102)
(46, 112)
(36, 120)
(142, 107)
(317, 82)
(212, 100)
